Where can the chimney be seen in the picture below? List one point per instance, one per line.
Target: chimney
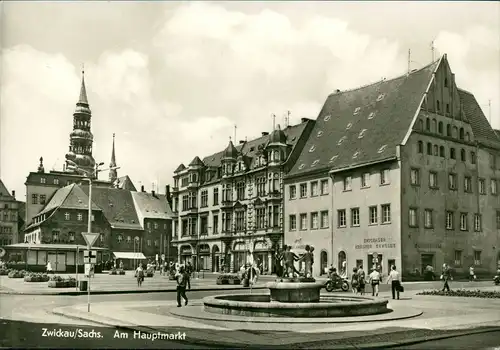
(265, 133)
(303, 120)
(337, 91)
(167, 195)
(14, 194)
(153, 193)
(242, 142)
(142, 188)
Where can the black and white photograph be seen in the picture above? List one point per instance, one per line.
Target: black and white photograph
(250, 174)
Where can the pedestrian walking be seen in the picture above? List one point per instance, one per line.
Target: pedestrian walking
(49, 267)
(139, 274)
(181, 278)
(189, 271)
(472, 274)
(446, 277)
(395, 282)
(361, 280)
(374, 280)
(355, 280)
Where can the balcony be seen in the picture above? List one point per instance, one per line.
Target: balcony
(193, 185)
(175, 190)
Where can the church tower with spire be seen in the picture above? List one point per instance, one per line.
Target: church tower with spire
(113, 174)
(81, 138)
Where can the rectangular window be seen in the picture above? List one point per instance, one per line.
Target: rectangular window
(204, 225)
(324, 187)
(292, 190)
(261, 218)
(433, 179)
(365, 180)
(34, 199)
(43, 180)
(261, 186)
(303, 221)
(276, 213)
(215, 223)
(415, 177)
(373, 215)
(324, 219)
(458, 258)
(384, 177)
(494, 189)
(477, 257)
(463, 222)
(347, 183)
(468, 184)
(341, 218)
(482, 186)
(314, 188)
(204, 198)
(315, 220)
(452, 181)
(354, 216)
(292, 219)
(67, 216)
(303, 190)
(477, 223)
(449, 220)
(240, 220)
(240, 191)
(216, 196)
(386, 213)
(79, 217)
(413, 217)
(428, 218)
(56, 181)
(185, 202)
(43, 198)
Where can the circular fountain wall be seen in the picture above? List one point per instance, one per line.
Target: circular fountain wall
(294, 300)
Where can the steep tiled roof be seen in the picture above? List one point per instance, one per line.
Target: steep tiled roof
(180, 168)
(4, 192)
(125, 183)
(196, 162)
(483, 132)
(117, 205)
(352, 127)
(230, 151)
(151, 207)
(69, 197)
(58, 198)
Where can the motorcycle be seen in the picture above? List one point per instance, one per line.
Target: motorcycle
(496, 280)
(338, 283)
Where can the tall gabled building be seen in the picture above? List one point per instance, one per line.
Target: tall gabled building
(229, 205)
(9, 216)
(404, 171)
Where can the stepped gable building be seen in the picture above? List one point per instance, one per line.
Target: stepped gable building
(404, 171)
(229, 205)
(9, 216)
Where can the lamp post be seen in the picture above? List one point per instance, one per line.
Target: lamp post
(88, 177)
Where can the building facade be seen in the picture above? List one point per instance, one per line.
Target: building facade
(229, 205)
(412, 171)
(9, 216)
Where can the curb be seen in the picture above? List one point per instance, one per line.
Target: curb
(141, 291)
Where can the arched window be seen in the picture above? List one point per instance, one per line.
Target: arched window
(420, 124)
(467, 137)
(436, 152)
(462, 134)
(441, 152)
(420, 147)
(427, 124)
(342, 263)
(434, 123)
(452, 153)
(462, 155)
(448, 130)
(473, 157)
(445, 82)
(323, 262)
(455, 132)
(429, 149)
(440, 128)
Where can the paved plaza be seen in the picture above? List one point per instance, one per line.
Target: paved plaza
(438, 316)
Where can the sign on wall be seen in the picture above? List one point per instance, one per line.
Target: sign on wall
(376, 243)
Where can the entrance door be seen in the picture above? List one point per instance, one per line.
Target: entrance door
(61, 262)
(323, 262)
(426, 260)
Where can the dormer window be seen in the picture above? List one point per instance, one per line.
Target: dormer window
(315, 163)
(56, 181)
(66, 216)
(349, 126)
(371, 115)
(341, 140)
(319, 134)
(333, 158)
(43, 180)
(356, 111)
(301, 166)
(380, 97)
(382, 149)
(312, 149)
(355, 155)
(327, 117)
(362, 133)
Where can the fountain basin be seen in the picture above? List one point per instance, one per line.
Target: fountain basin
(295, 292)
(261, 305)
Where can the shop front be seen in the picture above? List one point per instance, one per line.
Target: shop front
(216, 258)
(263, 257)
(186, 254)
(204, 258)
(239, 255)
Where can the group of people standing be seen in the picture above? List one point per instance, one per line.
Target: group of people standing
(359, 281)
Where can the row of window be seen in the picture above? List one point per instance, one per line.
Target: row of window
(4, 242)
(316, 188)
(5, 216)
(317, 220)
(5, 229)
(415, 180)
(451, 131)
(459, 257)
(155, 226)
(42, 199)
(128, 240)
(434, 150)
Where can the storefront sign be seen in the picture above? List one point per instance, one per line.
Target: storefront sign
(205, 249)
(261, 246)
(186, 250)
(376, 243)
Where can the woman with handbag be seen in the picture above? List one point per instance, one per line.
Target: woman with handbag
(395, 282)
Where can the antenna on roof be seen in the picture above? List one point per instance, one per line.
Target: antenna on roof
(409, 61)
(287, 118)
(489, 111)
(274, 121)
(432, 50)
(235, 127)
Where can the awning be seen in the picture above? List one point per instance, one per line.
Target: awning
(129, 255)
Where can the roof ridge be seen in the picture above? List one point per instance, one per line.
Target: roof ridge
(385, 80)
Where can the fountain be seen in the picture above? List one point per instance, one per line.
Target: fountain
(294, 297)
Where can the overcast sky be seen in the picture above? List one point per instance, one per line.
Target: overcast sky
(172, 79)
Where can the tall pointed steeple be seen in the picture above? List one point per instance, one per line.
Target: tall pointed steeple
(81, 138)
(113, 174)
